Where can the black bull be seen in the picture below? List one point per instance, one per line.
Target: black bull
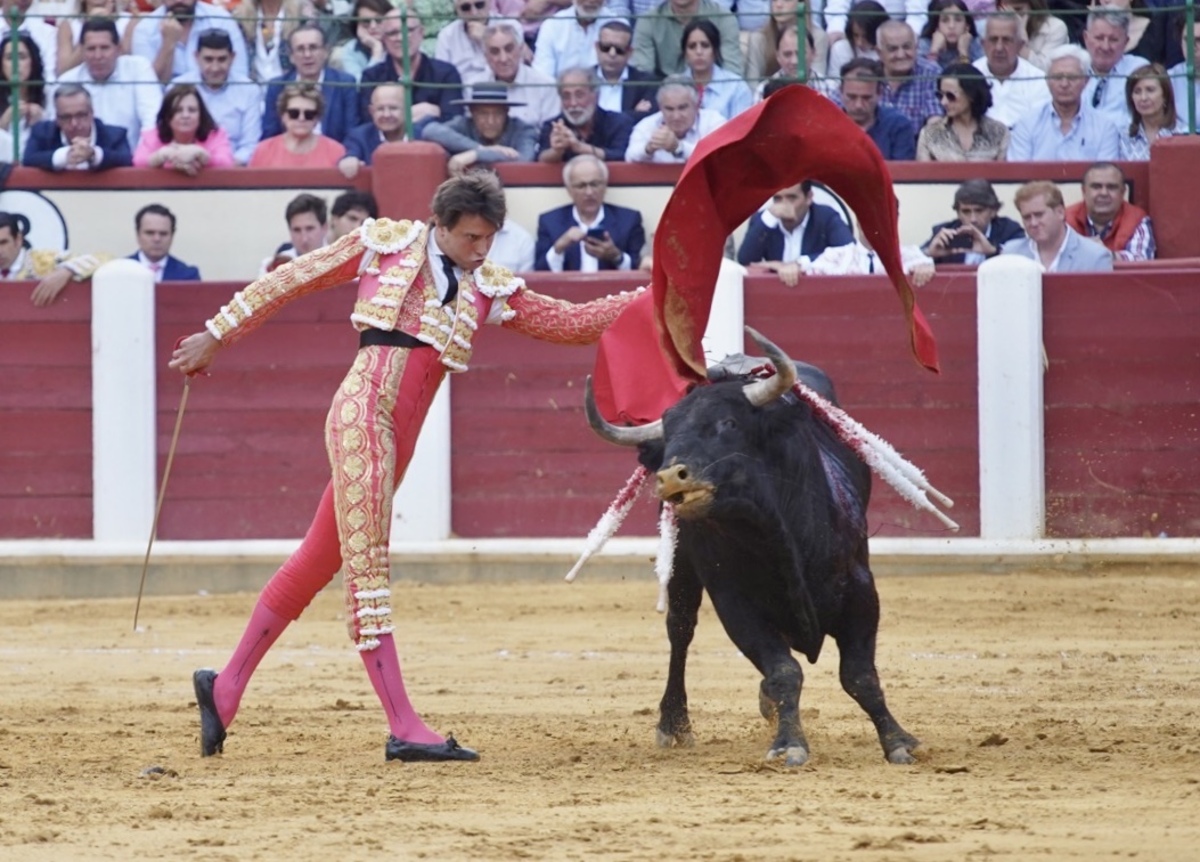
(771, 508)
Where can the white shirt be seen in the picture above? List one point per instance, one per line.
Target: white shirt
(1025, 88)
(59, 158)
(458, 49)
(1037, 255)
(857, 259)
(608, 95)
(792, 239)
(147, 38)
(539, 93)
(566, 42)
(267, 63)
(513, 247)
(587, 263)
(442, 283)
(130, 98)
(706, 121)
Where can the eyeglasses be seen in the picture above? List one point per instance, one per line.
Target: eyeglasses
(588, 184)
(612, 49)
(307, 49)
(476, 5)
(302, 113)
(949, 97)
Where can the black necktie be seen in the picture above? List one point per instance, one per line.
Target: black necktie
(870, 261)
(448, 268)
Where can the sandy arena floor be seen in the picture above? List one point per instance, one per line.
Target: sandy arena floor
(1060, 717)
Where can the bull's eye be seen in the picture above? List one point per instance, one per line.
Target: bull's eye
(726, 424)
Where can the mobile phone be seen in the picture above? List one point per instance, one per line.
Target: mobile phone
(597, 233)
(963, 240)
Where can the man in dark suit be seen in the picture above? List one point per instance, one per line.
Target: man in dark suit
(583, 128)
(387, 124)
(588, 235)
(978, 232)
(622, 87)
(436, 85)
(155, 232)
(310, 56)
(75, 140)
(791, 227)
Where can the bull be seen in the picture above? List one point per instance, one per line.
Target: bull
(771, 511)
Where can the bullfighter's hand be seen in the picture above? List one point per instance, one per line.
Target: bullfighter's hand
(51, 286)
(194, 353)
(921, 274)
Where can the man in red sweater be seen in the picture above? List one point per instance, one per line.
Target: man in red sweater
(1105, 216)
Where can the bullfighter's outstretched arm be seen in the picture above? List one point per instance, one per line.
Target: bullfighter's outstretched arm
(562, 322)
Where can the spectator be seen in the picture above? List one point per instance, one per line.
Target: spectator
(155, 226)
(892, 132)
(1043, 31)
(309, 55)
(949, 35)
(670, 135)
(910, 82)
(529, 88)
(720, 90)
(488, 133)
(267, 34)
(512, 247)
(366, 49)
(862, 26)
(70, 31)
(1016, 84)
(583, 128)
(436, 86)
(1064, 129)
(461, 43)
(235, 105)
(1149, 28)
(787, 55)
(859, 258)
(566, 39)
(623, 88)
(185, 139)
(784, 17)
(75, 140)
(1179, 73)
(36, 28)
(123, 88)
(300, 146)
(169, 36)
(588, 235)
(350, 209)
(966, 133)
(306, 216)
(837, 21)
(1107, 218)
(30, 104)
(1105, 37)
(1151, 103)
(19, 261)
(979, 231)
(387, 124)
(790, 227)
(658, 38)
(1049, 240)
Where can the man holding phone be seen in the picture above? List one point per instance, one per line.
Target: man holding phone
(588, 235)
(979, 230)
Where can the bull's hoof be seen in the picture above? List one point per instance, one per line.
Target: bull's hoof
(767, 707)
(794, 755)
(679, 739)
(900, 756)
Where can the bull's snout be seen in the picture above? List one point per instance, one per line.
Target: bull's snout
(690, 497)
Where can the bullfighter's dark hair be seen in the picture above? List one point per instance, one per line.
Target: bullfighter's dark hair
(306, 203)
(170, 105)
(18, 225)
(477, 193)
(154, 209)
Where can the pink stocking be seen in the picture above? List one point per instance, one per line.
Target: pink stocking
(383, 668)
(264, 629)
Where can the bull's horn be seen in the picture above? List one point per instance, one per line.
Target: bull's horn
(762, 392)
(615, 433)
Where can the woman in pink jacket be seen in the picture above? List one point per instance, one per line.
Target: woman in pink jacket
(185, 138)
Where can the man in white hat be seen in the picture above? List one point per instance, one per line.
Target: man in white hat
(487, 133)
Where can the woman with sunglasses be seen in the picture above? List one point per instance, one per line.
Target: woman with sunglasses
(300, 146)
(29, 107)
(1151, 103)
(185, 138)
(718, 89)
(966, 133)
(949, 34)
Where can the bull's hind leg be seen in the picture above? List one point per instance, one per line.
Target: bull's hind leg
(860, 679)
(683, 604)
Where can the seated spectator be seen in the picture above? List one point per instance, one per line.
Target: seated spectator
(859, 258)
(791, 227)
(978, 232)
(910, 82)
(70, 49)
(1179, 73)
(658, 37)
(350, 209)
(567, 38)
(966, 133)
(787, 53)
(37, 28)
(1149, 28)
(460, 43)
(75, 140)
(529, 88)
(298, 107)
(623, 88)
(862, 24)
(1064, 129)
(583, 128)
(949, 35)
(185, 139)
(1105, 39)
(29, 107)
(306, 215)
(487, 133)
(837, 17)
(123, 88)
(168, 37)
(155, 225)
(1049, 240)
(234, 104)
(366, 49)
(1107, 218)
(1043, 31)
(513, 247)
(720, 90)
(436, 85)
(670, 135)
(588, 235)
(267, 27)
(892, 132)
(783, 17)
(387, 124)
(1151, 103)
(19, 261)
(1017, 85)
(308, 54)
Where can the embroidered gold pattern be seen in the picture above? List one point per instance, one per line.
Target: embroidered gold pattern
(561, 322)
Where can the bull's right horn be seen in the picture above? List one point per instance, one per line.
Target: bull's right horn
(762, 392)
(632, 436)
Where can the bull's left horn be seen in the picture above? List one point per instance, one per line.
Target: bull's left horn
(614, 433)
(762, 392)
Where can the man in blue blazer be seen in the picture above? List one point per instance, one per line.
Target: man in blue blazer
(75, 139)
(310, 55)
(155, 231)
(978, 232)
(792, 227)
(588, 235)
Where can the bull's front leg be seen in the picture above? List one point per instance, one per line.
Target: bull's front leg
(683, 605)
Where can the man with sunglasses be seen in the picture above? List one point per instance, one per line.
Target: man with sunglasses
(436, 85)
(658, 37)
(460, 43)
(1016, 83)
(623, 88)
(310, 56)
(1105, 38)
(1065, 129)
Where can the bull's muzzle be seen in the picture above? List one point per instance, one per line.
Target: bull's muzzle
(689, 496)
